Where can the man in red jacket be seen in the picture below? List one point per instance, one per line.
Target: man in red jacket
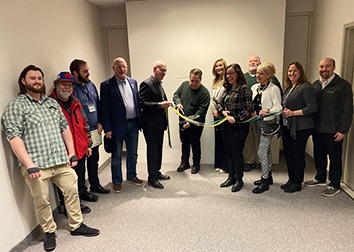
(76, 117)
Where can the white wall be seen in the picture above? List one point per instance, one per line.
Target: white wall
(187, 34)
(49, 34)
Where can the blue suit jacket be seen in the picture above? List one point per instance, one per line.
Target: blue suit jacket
(112, 109)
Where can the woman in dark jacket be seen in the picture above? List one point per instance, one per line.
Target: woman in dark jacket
(237, 107)
(299, 105)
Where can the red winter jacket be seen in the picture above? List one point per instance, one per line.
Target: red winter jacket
(78, 125)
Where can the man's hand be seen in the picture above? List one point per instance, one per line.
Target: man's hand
(226, 113)
(34, 172)
(186, 125)
(88, 152)
(231, 119)
(338, 137)
(73, 161)
(165, 104)
(216, 115)
(108, 134)
(99, 128)
(179, 106)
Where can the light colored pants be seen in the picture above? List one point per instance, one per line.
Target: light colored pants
(264, 153)
(251, 145)
(65, 178)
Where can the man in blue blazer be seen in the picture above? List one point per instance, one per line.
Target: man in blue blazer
(120, 118)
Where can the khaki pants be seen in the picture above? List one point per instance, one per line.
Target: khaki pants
(251, 145)
(65, 178)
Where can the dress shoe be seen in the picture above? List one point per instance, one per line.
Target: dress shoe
(262, 187)
(117, 188)
(183, 166)
(89, 197)
(237, 186)
(136, 181)
(195, 168)
(270, 180)
(228, 182)
(85, 209)
(283, 186)
(156, 184)
(85, 231)
(49, 242)
(100, 189)
(293, 187)
(163, 177)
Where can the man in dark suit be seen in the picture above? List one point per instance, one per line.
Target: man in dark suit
(120, 118)
(153, 104)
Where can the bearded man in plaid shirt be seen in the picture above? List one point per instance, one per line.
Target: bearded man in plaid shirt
(40, 137)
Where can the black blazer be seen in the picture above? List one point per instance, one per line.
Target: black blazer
(302, 97)
(153, 116)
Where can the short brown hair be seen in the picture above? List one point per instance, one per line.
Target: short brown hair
(23, 75)
(196, 71)
(76, 64)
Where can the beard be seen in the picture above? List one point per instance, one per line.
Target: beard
(252, 68)
(33, 89)
(64, 95)
(324, 75)
(82, 79)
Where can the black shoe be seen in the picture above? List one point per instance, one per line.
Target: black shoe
(163, 177)
(183, 166)
(262, 187)
(195, 168)
(89, 197)
(100, 189)
(85, 231)
(270, 181)
(155, 184)
(237, 186)
(249, 167)
(283, 186)
(49, 242)
(228, 182)
(293, 187)
(85, 209)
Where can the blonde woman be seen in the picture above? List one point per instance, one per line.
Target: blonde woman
(266, 98)
(217, 90)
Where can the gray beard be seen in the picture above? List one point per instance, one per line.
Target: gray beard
(63, 95)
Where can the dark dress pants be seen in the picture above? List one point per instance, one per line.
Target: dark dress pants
(191, 137)
(154, 142)
(323, 145)
(92, 168)
(220, 156)
(294, 150)
(235, 138)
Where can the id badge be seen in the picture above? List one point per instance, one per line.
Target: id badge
(91, 108)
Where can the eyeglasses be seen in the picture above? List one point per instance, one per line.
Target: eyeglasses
(230, 73)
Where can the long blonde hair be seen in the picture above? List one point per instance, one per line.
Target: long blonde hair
(218, 79)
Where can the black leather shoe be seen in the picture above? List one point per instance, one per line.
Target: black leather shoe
(183, 166)
(283, 186)
(270, 180)
(228, 182)
(163, 177)
(262, 187)
(85, 209)
(195, 168)
(49, 242)
(85, 231)
(89, 197)
(237, 186)
(155, 184)
(100, 189)
(293, 187)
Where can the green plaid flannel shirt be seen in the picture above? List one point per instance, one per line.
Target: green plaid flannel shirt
(39, 124)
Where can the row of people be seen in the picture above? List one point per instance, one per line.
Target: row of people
(323, 110)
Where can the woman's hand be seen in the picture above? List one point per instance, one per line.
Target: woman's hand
(216, 115)
(231, 119)
(287, 112)
(263, 112)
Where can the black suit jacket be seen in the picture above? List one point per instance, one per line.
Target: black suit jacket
(153, 116)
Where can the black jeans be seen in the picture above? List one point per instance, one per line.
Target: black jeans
(234, 139)
(294, 150)
(323, 145)
(92, 168)
(191, 137)
(220, 156)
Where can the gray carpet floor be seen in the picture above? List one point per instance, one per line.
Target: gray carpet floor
(193, 213)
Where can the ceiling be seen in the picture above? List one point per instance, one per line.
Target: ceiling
(110, 3)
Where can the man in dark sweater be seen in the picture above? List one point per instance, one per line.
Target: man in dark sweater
(192, 99)
(332, 121)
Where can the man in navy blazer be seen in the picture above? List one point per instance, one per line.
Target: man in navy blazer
(120, 118)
